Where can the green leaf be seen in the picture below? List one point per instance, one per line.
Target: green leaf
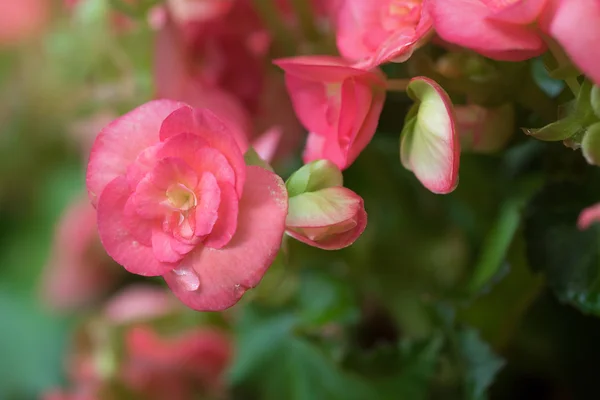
(324, 299)
(259, 340)
(580, 116)
(559, 130)
(567, 256)
(304, 372)
(480, 363)
(403, 371)
(500, 237)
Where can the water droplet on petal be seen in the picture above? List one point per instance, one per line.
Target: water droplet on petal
(187, 278)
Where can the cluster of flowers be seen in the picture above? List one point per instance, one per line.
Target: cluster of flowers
(182, 187)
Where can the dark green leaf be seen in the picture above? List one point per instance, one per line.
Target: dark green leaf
(566, 255)
(480, 364)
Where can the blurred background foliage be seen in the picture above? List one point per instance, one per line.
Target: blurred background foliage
(489, 292)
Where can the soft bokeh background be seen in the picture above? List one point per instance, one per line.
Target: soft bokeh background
(67, 71)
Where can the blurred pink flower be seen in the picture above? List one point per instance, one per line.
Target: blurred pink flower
(484, 130)
(588, 216)
(373, 32)
(139, 302)
(175, 198)
(184, 71)
(339, 105)
(79, 270)
(177, 367)
(22, 20)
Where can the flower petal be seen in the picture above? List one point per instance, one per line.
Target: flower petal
(225, 274)
(324, 207)
(118, 242)
(467, 23)
(119, 144)
(430, 144)
(226, 224)
(213, 130)
(575, 26)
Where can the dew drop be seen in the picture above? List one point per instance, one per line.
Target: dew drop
(187, 278)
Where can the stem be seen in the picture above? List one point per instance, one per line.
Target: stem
(267, 10)
(397, 85)
(305, 15)
(562, 60)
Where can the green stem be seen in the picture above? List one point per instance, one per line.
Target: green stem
(562, 60)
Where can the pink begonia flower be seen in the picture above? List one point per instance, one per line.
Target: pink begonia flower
(176, 367)
(79, 270)
(322, 213)
(338, 104)
(498, 29)
(484, 130)
(372, 32)
(588, 216)
(175, 198)
(430, 145)
(22, 20)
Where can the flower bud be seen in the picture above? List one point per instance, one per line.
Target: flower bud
(429, 145)
(322, 213)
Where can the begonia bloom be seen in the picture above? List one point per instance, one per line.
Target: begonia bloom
(175, 198)
(176, 367)
(322, 213)
(372, 32)
(79, 270)
(338, 104)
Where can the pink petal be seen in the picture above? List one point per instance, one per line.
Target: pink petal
(150, 195)
(225, 274)
(336, 242)
(588, 216)
(522, 12)
(119, 144)
(576, 27)
(164, 251)
(209, 199)
(322, 208)
(266, 144)
(209, 127)
(314, 148)
(467, 23)
(226, 224)
(118, 242)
